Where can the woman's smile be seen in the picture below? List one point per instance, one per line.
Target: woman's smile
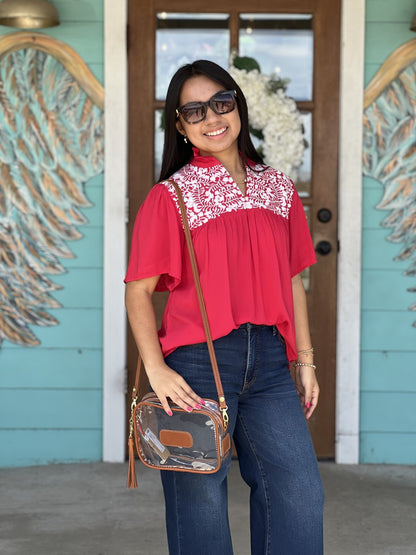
(217, 132)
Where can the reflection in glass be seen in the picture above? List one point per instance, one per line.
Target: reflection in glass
(304, 180)
(303, 183)
(159, 136)
(307, 210)
(281, 44)
(306, 278)
(306, 274)
(182, 38)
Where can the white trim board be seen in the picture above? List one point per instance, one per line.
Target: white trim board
(349, 233)
(350, 203)
(115, 229)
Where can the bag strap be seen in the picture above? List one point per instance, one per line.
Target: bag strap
(207, 330)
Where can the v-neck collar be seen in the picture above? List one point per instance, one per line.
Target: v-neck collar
(201, 161)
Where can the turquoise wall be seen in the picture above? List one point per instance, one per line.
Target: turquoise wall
(51, 395)
(388, 347)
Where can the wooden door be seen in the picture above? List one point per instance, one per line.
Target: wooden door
(164, 35)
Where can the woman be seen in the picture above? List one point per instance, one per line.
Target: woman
(251, 241)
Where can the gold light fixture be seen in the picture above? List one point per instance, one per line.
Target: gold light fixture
(28, 14)
(413, 24)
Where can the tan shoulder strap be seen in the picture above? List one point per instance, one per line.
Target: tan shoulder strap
(207, 330)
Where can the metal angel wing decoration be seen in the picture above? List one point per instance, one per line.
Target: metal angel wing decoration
(51, 144)
(389, 149)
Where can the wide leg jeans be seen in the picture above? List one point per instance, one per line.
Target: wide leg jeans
(275, 453)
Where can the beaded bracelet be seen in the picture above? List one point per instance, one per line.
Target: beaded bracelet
(305, 364)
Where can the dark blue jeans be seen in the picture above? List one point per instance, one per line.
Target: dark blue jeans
(275, 453)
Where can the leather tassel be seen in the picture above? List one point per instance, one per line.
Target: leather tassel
(131, 476)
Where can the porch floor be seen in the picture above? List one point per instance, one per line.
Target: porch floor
(85, 509)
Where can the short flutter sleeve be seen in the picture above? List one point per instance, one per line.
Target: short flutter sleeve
(157, 241)
(302, 252)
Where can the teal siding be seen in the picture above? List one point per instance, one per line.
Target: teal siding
(387, 448)
(88, 252)
(65, 369)
(388, 371)
(80, 10)
(388, 342)
(401, 417)
(78, 327)
(382, 284)
(371, 197)
(379, 254)
(388, 330)
(86, 283)
(388, 11)
(71, 409)
(383, 38)
(51, 395)
(86, 37)
(369, 71)
(50, 446)
(98, 71)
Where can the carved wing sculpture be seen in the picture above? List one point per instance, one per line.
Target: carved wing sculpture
(51, 144)
(389, 150)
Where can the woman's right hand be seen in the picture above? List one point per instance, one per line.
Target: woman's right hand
(168, 384)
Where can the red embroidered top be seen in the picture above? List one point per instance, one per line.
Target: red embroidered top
(248, 247)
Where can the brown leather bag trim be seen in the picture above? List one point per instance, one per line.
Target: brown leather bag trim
(176, 438)
(226, 444)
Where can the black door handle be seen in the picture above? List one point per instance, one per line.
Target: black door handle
(324, 215)
(323, 247)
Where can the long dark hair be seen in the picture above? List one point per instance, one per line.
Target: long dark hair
(175, 152)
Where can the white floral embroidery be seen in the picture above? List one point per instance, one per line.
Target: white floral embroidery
(209, 192)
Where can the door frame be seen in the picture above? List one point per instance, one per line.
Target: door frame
(115, 231)
(347, 397)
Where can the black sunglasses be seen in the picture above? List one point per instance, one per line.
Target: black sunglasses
(223, 102)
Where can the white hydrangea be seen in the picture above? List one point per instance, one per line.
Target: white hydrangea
(277, 116)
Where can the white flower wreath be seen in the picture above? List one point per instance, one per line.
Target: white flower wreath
(273, 117)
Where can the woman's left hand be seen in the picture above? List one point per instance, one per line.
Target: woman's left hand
(307, 387)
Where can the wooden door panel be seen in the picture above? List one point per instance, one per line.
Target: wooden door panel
(324, 108)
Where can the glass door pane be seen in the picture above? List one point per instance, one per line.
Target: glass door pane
(182, 38)
(159, 135)
(306, 274)
(304, 180)
(281, 44)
